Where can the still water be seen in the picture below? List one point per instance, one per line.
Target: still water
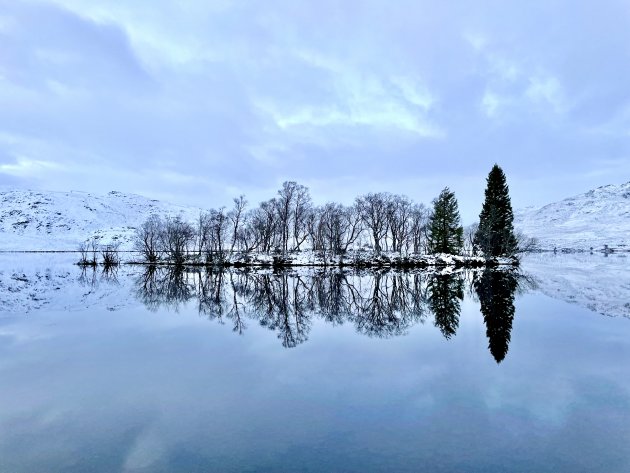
(303, 370)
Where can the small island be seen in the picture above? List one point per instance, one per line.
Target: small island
(378, 230)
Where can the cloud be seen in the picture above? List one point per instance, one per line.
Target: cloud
(249, 94)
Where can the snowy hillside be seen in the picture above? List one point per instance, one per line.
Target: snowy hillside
(594, 219)
(31, 220)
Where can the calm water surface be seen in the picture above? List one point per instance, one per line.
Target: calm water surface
(314, 371)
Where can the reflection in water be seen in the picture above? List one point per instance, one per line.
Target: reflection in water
(495, 290)
(91, 276)
(378, 303)
(446, 291)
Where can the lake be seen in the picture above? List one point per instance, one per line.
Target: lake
(315, 370)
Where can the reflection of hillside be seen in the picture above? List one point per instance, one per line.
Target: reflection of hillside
(377, 303)
(596, 282)
(27, 288)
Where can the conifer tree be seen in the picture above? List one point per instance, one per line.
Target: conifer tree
(495, 234)
(446, 234)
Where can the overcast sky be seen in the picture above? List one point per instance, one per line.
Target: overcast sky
(196, 102)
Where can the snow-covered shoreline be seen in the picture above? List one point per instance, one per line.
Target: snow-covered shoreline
(357, 259)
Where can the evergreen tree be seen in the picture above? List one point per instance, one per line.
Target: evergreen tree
(495, 234)
(446, 235)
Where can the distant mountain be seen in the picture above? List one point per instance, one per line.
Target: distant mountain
(42, 220)
(599, 217)
(31, 220)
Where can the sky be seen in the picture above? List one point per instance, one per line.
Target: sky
(196, 102)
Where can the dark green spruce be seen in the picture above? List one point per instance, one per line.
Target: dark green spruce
(495, 234)
(446, 234)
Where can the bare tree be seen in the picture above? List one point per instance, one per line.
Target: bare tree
(87, 255)
(525, 244)
(284, 203)
(338, 227)
(418, 228)
(262, 225)
(302, 206)
(203, 230)
(236, 216)
(398, 213)
(469, 239)
(149, 238)
(176, 238)
(352, 226)
(372, 209)
(110, 255)
(218, 235)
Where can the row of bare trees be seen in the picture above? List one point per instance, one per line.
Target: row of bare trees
(288, 222)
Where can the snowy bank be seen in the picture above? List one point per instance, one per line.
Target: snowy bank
(352, 258)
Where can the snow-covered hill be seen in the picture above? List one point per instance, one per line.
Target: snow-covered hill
(594, 219)
(31, 220)
(42, 220)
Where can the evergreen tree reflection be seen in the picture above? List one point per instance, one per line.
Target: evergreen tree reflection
(446, 291)
(495, 290)
(379, 304)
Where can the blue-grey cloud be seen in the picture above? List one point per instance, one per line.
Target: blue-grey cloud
(196, 103)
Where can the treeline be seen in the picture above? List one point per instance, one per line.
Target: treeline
(286, 223)
(290, 222)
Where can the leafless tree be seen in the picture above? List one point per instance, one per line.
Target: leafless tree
(236, 217)
(284, 203)
(218, 235)
(399, 220)
(525, 244)
(203, 231)
(262, 226)
(148, 239)
(302, 206)
(469, 239)
(176, 239)
(372, 209)
(418, 227)
(110, 255)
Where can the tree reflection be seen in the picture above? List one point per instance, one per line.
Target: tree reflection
(495, 290)
(379, 304)
(446, 291)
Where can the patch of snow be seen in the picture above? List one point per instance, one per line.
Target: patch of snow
(591, 220)
(60, 221)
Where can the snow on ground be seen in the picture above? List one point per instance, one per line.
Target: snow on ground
(594, 219)
(42, 220)
(59, 221)
(597, 282)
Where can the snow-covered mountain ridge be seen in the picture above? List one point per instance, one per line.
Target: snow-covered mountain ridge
(591, 220)
(59, 221)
